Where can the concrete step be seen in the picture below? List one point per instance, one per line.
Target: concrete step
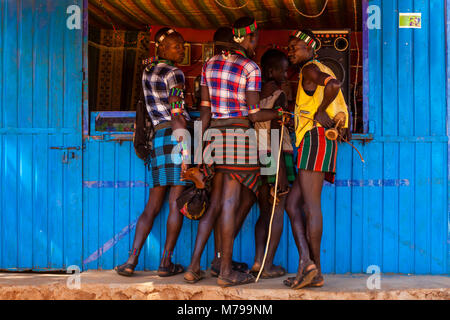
(147, 285)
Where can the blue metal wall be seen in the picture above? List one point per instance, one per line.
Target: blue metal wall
(391, 212)
(40, 109)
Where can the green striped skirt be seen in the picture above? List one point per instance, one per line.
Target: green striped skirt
(317, 153)
(290, 171)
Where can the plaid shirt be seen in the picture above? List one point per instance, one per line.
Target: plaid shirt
(227, 81)
(157, 84)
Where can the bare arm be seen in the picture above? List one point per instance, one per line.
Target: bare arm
(205, 112)
(178, 121)
(252, 98)
(312, 73)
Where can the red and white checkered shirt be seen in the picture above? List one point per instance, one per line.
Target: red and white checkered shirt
(227, 80)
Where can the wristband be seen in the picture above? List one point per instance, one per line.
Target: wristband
(205, 103)
(253, 109)
(176, 92)
(280, 111)
(177, 105)
(177, 111)
(328, 80)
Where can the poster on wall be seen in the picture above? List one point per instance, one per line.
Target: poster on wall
(411, 20)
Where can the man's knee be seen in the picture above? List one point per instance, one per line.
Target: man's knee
(312, 208)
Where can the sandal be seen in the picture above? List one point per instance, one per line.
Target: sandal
(242, 278)
(317, 282)
(289, 281)
(306, 276)
(122, 269)
(170, 271)
(239, 266)
(192, 277)
(278, 271)
(236, 266)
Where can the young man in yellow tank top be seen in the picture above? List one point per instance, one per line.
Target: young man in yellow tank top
(319, 99)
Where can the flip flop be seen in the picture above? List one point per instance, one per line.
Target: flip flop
(306, 277)
(122, 269)
(242, 278)
(170, 271)
(195, 277)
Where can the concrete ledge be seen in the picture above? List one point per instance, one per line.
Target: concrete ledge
(147, 285)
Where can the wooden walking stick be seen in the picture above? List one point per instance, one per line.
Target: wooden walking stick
(274, 200)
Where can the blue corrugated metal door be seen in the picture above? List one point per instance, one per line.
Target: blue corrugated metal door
(40, 134)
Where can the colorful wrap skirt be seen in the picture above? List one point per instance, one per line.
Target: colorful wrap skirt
(233, 150)
(164, 171)
(317, 153)
(290, 169)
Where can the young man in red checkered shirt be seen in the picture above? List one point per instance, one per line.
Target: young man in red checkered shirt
(230, 88)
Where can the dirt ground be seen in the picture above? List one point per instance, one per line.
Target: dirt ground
(147, 285)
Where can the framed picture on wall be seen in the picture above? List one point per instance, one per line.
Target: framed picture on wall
(187, 55)
(207, 51)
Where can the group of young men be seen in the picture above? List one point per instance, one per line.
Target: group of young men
(237, 96)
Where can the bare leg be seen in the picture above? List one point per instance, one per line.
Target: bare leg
(311, 184)
(227, 220)
(145, 222)
(262, 231)
(232, 190)
(293, 208)
(247, 200)
(174, 224)
(207, 222)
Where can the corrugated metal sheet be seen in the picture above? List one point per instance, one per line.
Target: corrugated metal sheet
(40, 197)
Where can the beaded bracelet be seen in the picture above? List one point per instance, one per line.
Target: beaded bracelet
(176, 92)
(177, 111)
(184, 151)
(177, 104)
(253, 109)
(280, 111)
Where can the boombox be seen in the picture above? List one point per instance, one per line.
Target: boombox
(334, 52)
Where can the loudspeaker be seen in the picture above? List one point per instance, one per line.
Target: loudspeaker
(334, 52)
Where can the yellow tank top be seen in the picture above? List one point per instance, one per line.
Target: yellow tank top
(307, 105)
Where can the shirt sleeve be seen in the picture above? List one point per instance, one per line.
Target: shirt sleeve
(253, 77)
(175, 78)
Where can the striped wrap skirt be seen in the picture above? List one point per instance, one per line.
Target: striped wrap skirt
(234, 151)
(317, 153)
(165, 170)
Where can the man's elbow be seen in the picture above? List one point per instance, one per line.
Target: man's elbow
(253, 117)
(334, 84)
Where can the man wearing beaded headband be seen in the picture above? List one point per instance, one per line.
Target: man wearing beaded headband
(319, 100)
(163, 86)
(230, 89)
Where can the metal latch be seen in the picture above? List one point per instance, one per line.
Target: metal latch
(68, 154)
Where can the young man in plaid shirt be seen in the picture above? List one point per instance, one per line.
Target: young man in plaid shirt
(230, 88)
(163, 85)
